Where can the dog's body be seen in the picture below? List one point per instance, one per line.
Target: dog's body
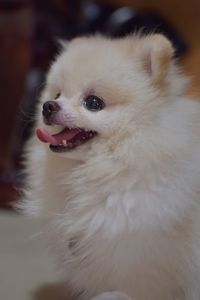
(123, 208)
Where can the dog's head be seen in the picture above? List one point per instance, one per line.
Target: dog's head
(100, 91)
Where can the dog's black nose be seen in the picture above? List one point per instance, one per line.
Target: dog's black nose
(50, 108)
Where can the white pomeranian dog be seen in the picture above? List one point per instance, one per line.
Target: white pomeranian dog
(114, 166)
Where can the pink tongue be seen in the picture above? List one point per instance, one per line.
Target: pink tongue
(56, 139)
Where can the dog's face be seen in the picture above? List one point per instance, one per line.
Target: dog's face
(99, 91)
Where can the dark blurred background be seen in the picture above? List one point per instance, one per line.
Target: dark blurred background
(29, 31)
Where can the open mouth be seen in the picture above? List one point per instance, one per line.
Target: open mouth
(65, 140)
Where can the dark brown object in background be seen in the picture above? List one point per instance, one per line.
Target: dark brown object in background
(28, 33)
(15, 60)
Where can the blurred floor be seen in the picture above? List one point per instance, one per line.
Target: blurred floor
(25, 266)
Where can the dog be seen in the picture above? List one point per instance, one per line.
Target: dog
(114, 167)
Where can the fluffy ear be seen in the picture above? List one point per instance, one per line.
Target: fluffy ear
(155, 54)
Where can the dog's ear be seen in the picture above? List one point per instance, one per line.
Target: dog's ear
(154, 53)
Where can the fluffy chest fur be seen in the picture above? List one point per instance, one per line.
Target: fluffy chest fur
(114, 230)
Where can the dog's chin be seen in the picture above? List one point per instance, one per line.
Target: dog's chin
(81, 153)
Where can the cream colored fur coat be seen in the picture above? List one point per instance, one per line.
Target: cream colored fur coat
(123, 210)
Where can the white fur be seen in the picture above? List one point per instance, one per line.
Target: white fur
(123, 210)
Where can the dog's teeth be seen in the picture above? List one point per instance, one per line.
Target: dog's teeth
(64, 143)
(90, 135)
(70, 145)
(83, 138)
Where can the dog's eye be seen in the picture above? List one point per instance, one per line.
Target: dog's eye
(57, 96)
(93, 103)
